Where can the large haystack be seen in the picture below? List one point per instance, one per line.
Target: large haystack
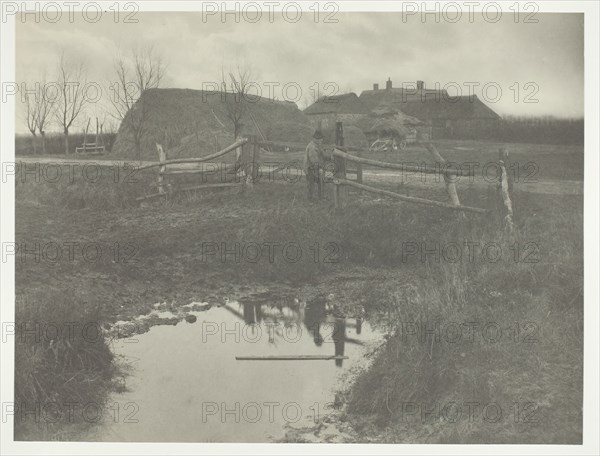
(194, 123)
(387, 121)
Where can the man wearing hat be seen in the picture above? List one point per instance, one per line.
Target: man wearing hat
(313, 162)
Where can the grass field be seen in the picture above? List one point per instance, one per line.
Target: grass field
(152, 252)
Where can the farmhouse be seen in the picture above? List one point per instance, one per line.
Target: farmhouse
(328, 110)
(448, 116)
(190, 123)
(433, 113)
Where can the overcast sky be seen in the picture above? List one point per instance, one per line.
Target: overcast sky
(359, 50)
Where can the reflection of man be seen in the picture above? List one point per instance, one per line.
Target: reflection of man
(313, 162)
(252, 313)
(314, 314)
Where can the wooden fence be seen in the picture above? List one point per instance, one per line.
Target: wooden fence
(342, 159)
(246, 150)
(92, 148)
(247, 160)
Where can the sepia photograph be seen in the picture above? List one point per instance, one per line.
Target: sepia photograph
(295, 223)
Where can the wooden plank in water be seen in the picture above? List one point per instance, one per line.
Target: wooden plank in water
(289, 358)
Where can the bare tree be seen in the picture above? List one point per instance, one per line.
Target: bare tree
(44, 111)
(145, 71)
(236, 85)
(71, 81)
(31, 117)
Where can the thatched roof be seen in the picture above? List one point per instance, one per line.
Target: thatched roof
(429, 104)
(389, 110)
(454, 108)
(347, 103)
(389, 127)
(374, 98)
(387, 119)
(192, 123)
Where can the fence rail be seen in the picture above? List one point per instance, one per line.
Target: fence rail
(165, 168)
(205, 158)
(90, 148)
(400, 166)
(340, 179)
(409, 199)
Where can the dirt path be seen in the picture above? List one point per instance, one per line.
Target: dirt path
(81, 161)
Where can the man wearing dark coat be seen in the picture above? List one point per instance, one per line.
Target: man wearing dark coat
(313, 163)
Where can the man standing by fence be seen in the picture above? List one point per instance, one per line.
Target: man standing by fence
(313, 163)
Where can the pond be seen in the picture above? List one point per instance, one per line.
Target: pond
(185, 384)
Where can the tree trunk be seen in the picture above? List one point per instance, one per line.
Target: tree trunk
(43, 143)
(34, 144)
(66, 141)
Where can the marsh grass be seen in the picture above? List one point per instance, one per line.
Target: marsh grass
(63, 362)
(538, 306)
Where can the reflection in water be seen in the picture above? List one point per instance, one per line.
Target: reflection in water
(314, 314)
(252, 314)
(339, 339)
(318, 316)
(188, 386)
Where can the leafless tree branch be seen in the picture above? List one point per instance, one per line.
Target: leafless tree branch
(71, 81)
(236, 88)
(145, 70)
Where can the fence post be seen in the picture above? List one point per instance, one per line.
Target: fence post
(359, 169)
(504, 156)
(239, 155)
(339, 163)
(96, 140)
(162, 157)
(255, 155)
(506, 189)
(450, 186)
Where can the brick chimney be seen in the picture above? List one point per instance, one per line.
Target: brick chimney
(375, 86)
(420, 85)
(388, 84)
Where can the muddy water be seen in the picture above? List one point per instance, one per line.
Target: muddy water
(186, 384)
